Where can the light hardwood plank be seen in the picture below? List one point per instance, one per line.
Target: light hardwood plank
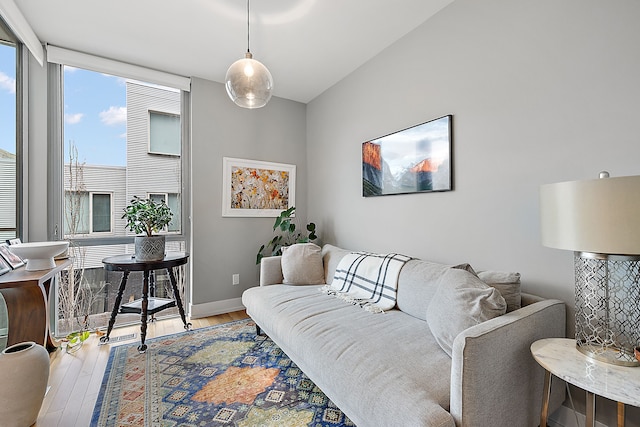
(75, 378)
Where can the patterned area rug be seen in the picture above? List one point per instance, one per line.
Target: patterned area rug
(224, 375)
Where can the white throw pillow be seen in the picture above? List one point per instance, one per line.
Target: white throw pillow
(302, 264)
(462, 300)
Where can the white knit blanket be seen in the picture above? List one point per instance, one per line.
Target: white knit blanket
(368, 280)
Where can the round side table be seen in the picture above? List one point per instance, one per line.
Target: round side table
(559, 356)
(147, 305)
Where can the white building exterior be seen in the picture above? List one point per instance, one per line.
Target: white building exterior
(153, 114)
(7, 194)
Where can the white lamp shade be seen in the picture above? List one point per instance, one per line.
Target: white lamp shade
(598, 216)
(249, 83)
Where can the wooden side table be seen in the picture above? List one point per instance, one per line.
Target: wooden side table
(147, 305)
(559, 356)
(26, 294)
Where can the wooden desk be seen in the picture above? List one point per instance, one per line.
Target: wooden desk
(26, 294)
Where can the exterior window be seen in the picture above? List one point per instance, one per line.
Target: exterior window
(173, 201)
(113, 130)
(8, 148)
(87, 213)
(101, 213)
(164, 133)
(76, 215)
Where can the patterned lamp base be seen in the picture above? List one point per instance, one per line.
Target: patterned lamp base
(607, 309)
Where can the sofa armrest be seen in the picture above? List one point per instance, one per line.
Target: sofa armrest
(494, 379)
(271, 271)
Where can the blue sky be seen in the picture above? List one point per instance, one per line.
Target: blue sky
(95, 117)
(7, 98)
(94, 113)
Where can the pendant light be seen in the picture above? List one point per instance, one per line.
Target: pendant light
(248, 82)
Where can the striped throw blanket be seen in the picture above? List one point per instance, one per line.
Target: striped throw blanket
(368, 280)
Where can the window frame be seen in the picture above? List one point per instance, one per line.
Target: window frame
(21, 129)
(55, 132)
(163, 113)
(90, 218)
(91, 211)
(166, 201)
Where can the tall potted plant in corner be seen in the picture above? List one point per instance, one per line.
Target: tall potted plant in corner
(146, 216)
(289, 235)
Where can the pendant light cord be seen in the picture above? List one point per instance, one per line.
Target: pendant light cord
(248, 51)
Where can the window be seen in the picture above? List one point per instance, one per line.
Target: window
(101, 213)
(109, 126)
(10, 134)
(173, 201)
(164, 133)
(87, 213)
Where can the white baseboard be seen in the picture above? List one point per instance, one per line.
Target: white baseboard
(215, 307)
(564, 417)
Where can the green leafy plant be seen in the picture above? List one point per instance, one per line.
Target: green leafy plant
(146, 216)
(287, 235)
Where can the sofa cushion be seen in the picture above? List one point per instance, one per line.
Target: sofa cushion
(417, 284)
(461, 300)
(507, 283)
(333, 344)
(302, 264)
(331, 256)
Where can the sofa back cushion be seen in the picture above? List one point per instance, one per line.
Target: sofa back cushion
(417, 283)
(331, 256)
(508, 283)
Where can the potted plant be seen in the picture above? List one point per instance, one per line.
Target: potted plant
(146, 216)
(288, 235)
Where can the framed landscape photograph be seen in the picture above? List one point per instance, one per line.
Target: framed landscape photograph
(12, 259)
(254, 188)
(413, 160)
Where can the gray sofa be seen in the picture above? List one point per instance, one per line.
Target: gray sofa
(388, 369)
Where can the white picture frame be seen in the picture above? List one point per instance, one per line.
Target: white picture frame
(253, 188)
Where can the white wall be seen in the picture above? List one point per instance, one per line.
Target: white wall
(225, 246)
(540, 91)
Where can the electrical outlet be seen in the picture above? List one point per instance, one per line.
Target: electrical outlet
(235, 279)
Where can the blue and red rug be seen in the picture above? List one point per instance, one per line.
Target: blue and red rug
(223, 375)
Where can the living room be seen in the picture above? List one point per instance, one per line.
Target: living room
(540, 92)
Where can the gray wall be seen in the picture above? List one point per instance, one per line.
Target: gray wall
(541, 92)
(274, 133)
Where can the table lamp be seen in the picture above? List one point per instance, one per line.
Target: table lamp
(599, 220)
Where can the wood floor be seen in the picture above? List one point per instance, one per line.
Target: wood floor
(75, 378)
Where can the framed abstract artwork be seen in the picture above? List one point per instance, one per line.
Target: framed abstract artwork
(254, 188)
(413, 160)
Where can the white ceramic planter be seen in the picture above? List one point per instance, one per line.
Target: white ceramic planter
(149, 248)
(24, 373)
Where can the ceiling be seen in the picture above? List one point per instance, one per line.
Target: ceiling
(308, 45)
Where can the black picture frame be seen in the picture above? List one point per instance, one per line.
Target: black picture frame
(12, 259)
(417, 159)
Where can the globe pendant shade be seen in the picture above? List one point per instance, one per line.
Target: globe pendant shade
(249, 83)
